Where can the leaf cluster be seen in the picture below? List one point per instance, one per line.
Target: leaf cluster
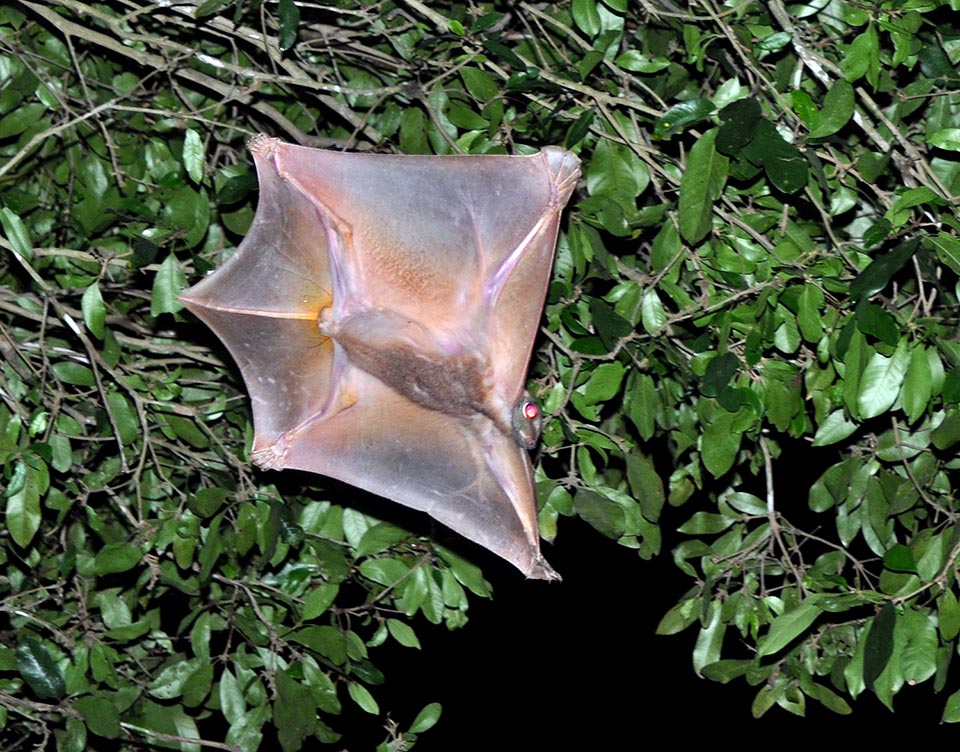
(757, 282)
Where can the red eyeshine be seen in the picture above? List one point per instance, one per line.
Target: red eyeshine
(530, 411)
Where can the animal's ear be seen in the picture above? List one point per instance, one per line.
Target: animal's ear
(382, 310)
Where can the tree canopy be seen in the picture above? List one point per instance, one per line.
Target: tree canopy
(753, 318)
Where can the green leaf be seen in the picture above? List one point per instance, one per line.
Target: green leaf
(426, 719)
(413, 132)
(881, 381)
(918, 660)
(603, 385)
(193, 155)
(609, 214)
(720, 372)
(209, 8)
(169, 683)
(479, 83)
(379, 538)
(328, 641)
(616, 172)
(611, 327)
(862, 57)
(720, 442)
(946, 138)
(187, 213)
(879, 272)
(198, 685)
(879, 645)
(774, 42)
(318, 600)
(586, 17)
(805, 109)
(61, 458)
(72, 738)
(186, 429)
(125, 418)
(680, 116)
(951, 711)
(646, 485)
(167, 285)
(641, 403)
(232, 701)
(834, 428)
(873, 320)
(207, 501)
(465, 118)
(765, 699)
(837, 109)
(403, 633)
(294, 712)
(738, 123)
(634, 60)
(38, 669)
(948, 614)
(784, 165)
(289, 22)
(700, 186)
(116, 557)
(652, 313)
(237, 188)
(931, 561)
(115, 611)
(706, 523)
(384, 571)
(22, 118)
(603, 514)
(947, 248)
(746, 503)
(917, 384)
(947, 433)
(810, 304)
(74, 373)
(17, 233)
(580, 128)
(678, 618)
(361, 695)
(785, 628)
(787, 337)
(467, 574)
(828, 698)
(100, 715)
(709, 639)
(23, 500)
(200, 635)
(902, 210)
(900, 559)
(94, 310)
(727, 670)
(247, 732)
(322, 688)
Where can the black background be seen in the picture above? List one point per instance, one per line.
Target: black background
(577, 665)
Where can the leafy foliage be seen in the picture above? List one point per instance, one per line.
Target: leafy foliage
(758, 282)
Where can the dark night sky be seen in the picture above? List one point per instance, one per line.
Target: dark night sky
(576, 665)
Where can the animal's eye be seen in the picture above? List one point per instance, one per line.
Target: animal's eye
(526, 421)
